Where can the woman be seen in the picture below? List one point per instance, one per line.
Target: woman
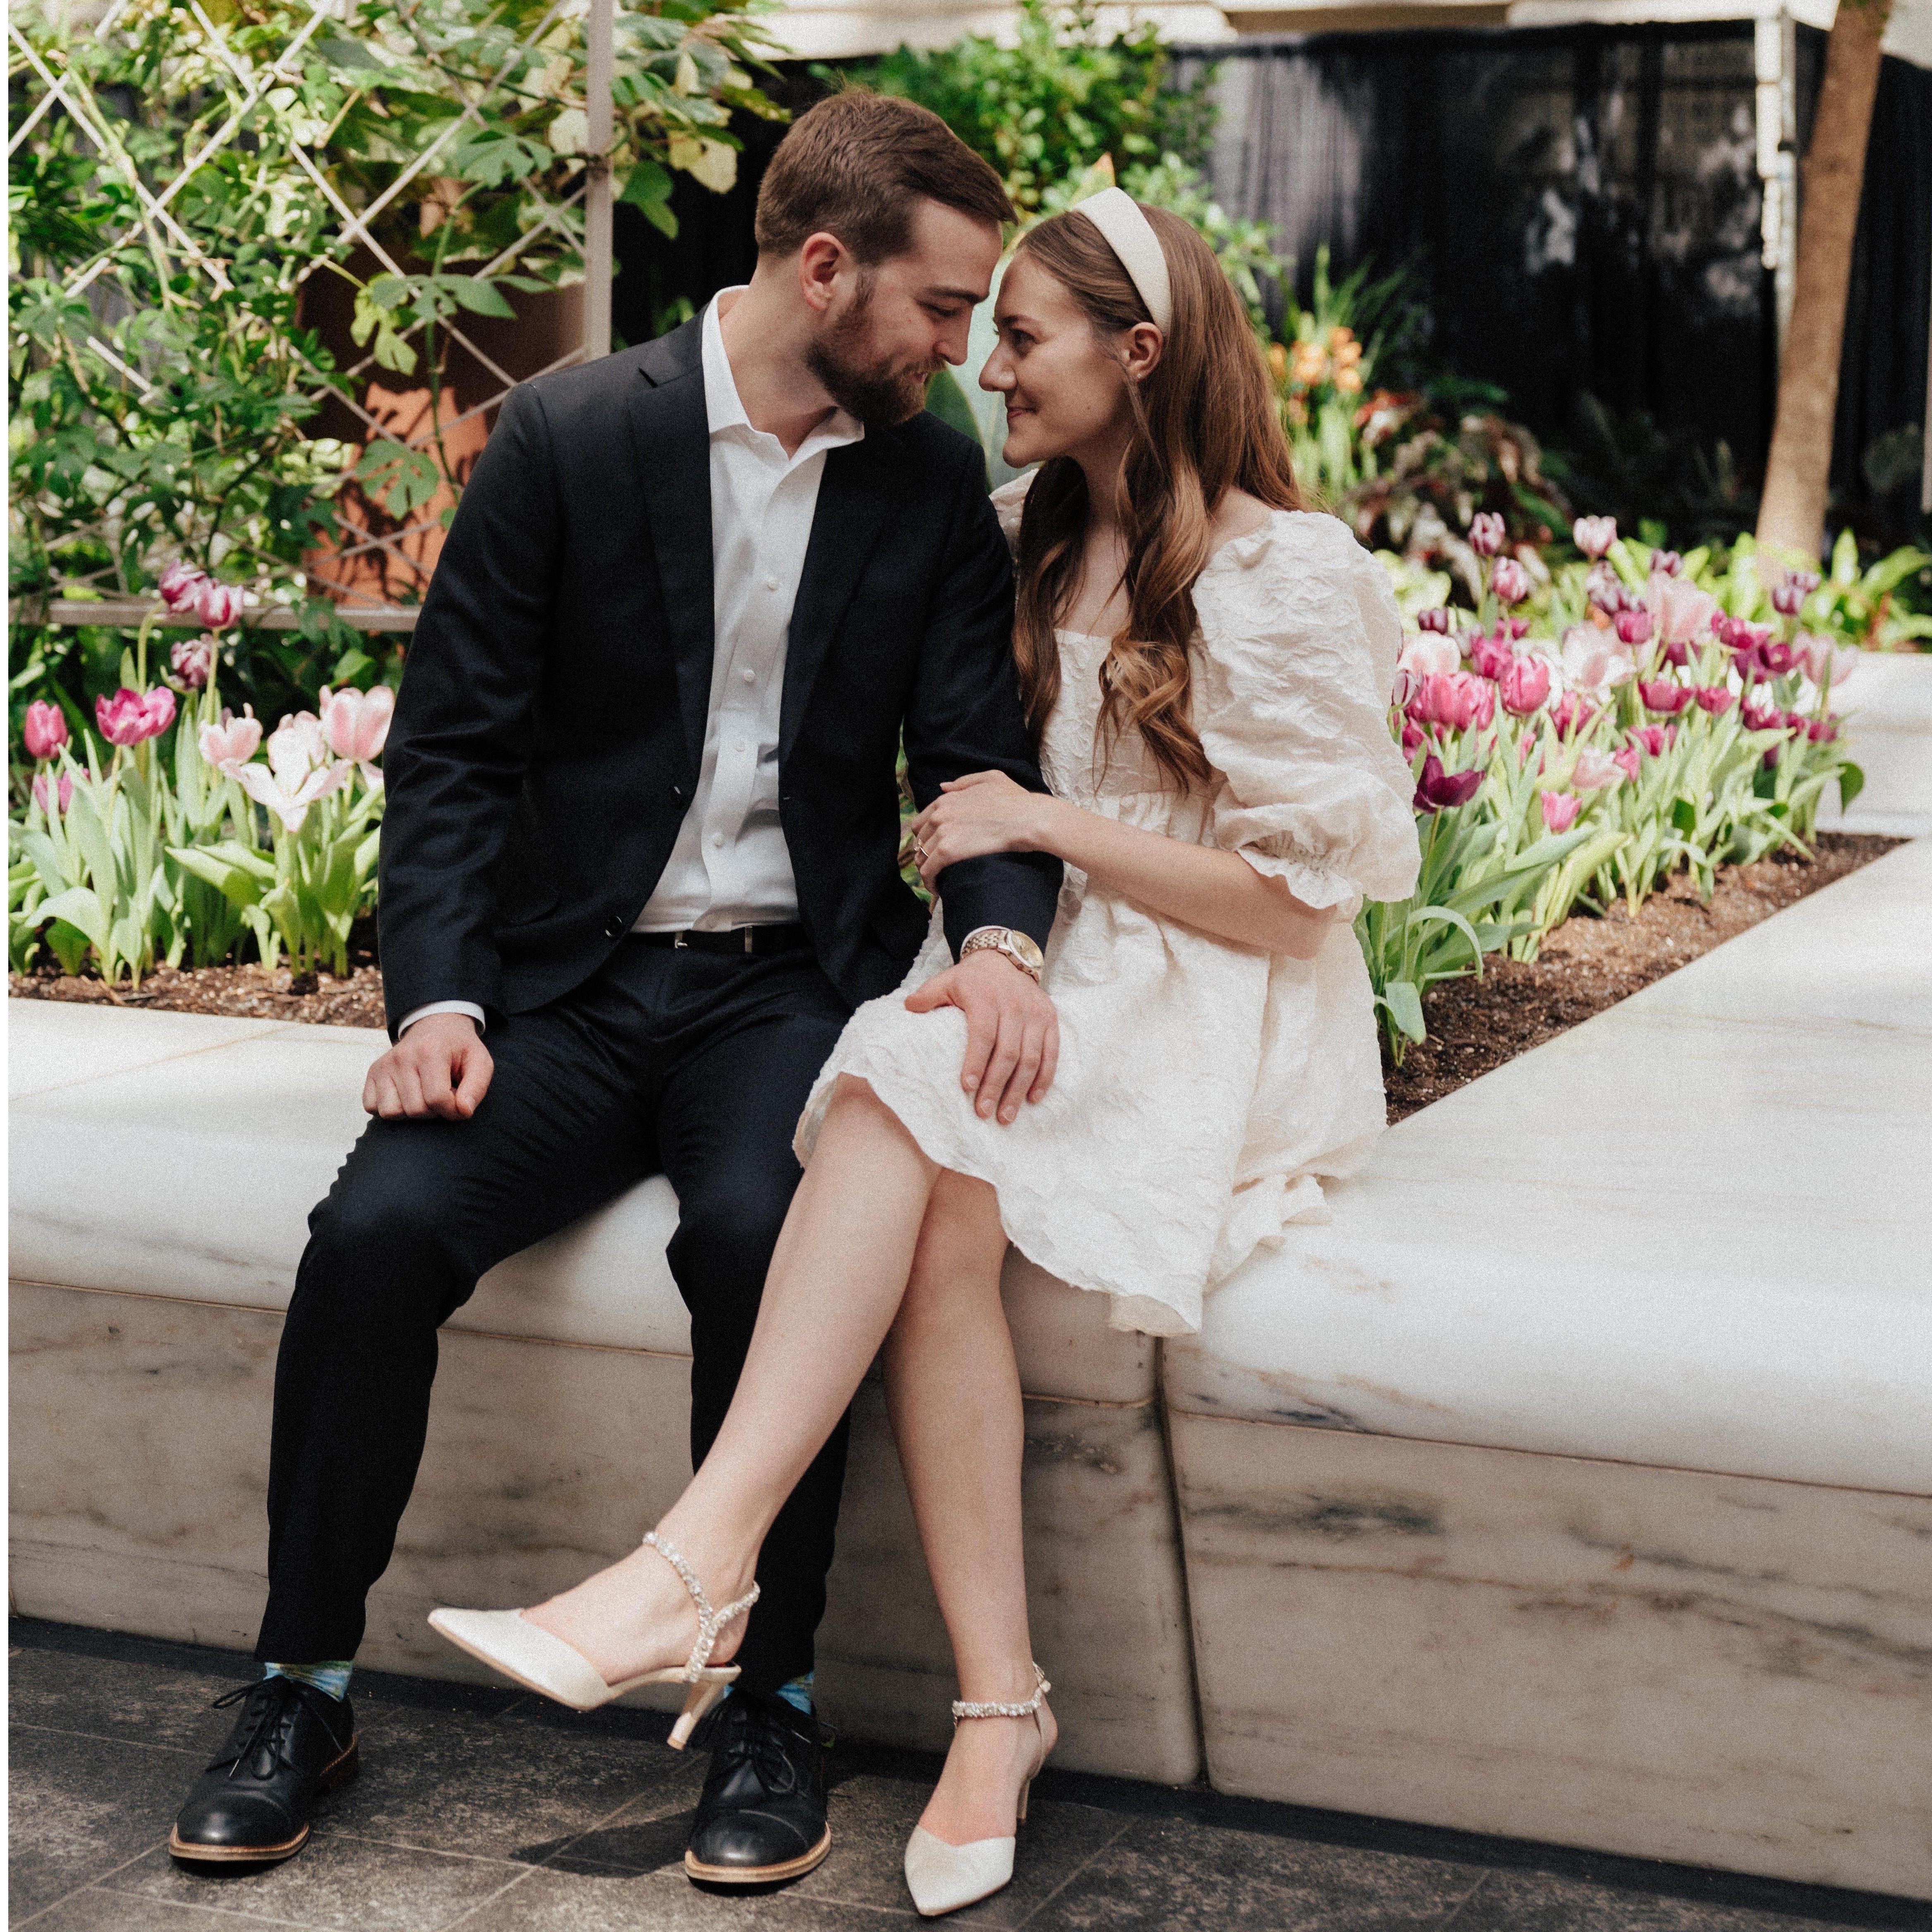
(1208, 668)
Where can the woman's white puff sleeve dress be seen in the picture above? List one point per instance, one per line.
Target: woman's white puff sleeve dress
(1203, 1086)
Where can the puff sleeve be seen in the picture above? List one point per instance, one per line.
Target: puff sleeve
(1300, 634)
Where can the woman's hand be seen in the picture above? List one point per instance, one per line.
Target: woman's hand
(982, 812)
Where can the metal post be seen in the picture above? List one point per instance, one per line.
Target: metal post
(597, 194)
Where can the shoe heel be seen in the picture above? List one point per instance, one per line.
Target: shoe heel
(704, 1693)
(1026, 1791)
(344, 1768)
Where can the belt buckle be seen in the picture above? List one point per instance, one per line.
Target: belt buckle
(749, 931)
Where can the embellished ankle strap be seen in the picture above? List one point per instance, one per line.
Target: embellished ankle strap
(709, 1621)
(1026, 1710)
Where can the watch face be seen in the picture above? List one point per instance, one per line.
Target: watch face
(1024, 947)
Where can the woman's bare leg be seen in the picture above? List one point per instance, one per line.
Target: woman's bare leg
(837, 1278)
(952, 1389)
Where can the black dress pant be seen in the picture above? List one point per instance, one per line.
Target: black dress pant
(692, 1064)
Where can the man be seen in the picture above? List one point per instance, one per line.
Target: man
(639, 864)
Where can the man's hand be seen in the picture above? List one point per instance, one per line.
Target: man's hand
(1013, 1033)
(439, 1066)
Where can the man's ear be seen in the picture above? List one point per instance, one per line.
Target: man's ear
(821, 263)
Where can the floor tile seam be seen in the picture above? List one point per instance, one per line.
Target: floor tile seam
(1455, 1911)
(98, 1883)
(1113, 1838)
(502, 1892)
(1177, 1408)
(599, 1824)
(216, 1911)
(332, 1831)
(98, 1737)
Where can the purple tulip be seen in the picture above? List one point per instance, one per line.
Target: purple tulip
(1437, 619)
(1486, 533)
(130, 717)
(1776, 656)
(1661, 695)
(45, 731)
(1759, 714)
(1524, 686)
(1559, 810)
(1737, 634)
(1822, 730)
(1437, 790)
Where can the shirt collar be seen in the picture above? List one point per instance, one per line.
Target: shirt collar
(724, 410)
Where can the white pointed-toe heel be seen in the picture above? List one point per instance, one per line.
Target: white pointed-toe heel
(508, 1641)
(943, 1878)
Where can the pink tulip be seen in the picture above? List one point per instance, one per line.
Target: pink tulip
(1425, 657)
(1571, 713)
(217, 605)
(1524, 686)
(45, 731)
(298, 772)
(1595, 768)
(1759, 714)
(1509, 581)
(1592, 661)
(1594, 534)
(180, 585)
(1714, 698)
(1437, 619)
(1776, 656)
(356, 724)
(46, 795)
(1787, 600)
(1661, 695)
(130, 717)
(1665, 562)
(1632, 626)
(1489, 657)
(1457, 700)
(1486, 533)
(1510, 629)
(234, 741)
(1629, 759)
(1438, 791)
(1822, 730)
(1413, 738)
(1683, 613)
(193, 660)
(1559, 810)
(1738, 634)
(1651, 738)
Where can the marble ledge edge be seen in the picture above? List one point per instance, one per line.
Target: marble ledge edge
(1179, 1408)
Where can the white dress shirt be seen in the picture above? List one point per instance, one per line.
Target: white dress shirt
(730, 866)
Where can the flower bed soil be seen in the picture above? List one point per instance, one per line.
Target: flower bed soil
(1474, 1025)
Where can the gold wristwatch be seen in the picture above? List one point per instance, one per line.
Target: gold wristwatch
(1009, 945)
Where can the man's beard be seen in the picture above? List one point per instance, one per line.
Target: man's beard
(880, 396)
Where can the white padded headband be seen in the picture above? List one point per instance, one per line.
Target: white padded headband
(1131, 236)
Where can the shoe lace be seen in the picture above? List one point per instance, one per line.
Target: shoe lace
(268, 1714)
(741, 1734)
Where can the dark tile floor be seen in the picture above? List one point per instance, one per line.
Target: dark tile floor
(497, 1813)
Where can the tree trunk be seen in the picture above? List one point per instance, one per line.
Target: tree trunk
(1797, 478)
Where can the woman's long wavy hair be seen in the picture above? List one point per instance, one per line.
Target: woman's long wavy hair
(1204, 421)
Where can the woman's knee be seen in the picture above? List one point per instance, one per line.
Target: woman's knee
(961, 1244)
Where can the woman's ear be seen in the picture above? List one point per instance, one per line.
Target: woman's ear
(1140, 350)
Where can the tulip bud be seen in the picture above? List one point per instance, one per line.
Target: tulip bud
(1628, 759)
(1633, 626)
(1559, 810)
(45, 730)
(1776, 656)
(1648, 738)
(1759, 714)
(1524, 686)
(217, 605)
(1437, 619)
(1661, 695)
(1489, 657)
(1413, 738)
(1715, 698)
(1486, 533)
(1822, 730)
(1569, 713)
(130, 717)
(1787, 600)
(193, 660)
(180, 585)
(1665, 562)
(1509, 580)
(54, 797)
(1594, 534)
(1605, 589)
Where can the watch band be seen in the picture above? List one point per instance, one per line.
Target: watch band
(1016, 948)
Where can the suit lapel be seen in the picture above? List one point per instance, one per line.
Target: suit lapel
(854, 501)
(670, 441)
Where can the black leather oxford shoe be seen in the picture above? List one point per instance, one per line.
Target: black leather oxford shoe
(761, 1819)
(251, 1806)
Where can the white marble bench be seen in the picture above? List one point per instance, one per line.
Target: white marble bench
(162, 1168)
(1576, 1481)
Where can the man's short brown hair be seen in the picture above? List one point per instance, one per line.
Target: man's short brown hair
(856, 164)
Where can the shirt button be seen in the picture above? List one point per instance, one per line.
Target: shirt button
(616, 926)
(749, 676)
(717, 838)
(771, 584)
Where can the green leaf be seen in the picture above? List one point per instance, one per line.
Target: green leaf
(1684, 816)
(479, 297)
(649, 183)
(1404, 1002)
(658, 214)
(1851, 782)
(81, 910)
(341, 52)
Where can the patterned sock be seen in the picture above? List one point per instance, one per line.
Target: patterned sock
(797, 1693)
(330, 1678)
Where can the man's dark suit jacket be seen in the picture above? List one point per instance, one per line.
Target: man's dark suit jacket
(552, 715)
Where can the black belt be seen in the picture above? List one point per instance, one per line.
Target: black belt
(760, 941)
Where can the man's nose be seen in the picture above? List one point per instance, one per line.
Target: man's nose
(954, 339)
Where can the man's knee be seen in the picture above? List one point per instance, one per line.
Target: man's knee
(723, 1246)
(374, 1233)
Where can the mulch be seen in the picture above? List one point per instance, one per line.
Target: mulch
(1474, 1025)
